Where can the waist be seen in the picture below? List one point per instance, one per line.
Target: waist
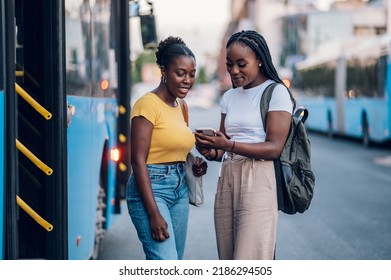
(167, 167)
(233, 156)
(168, 163)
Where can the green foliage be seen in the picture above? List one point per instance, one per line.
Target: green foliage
(201, 76)
(147, 56)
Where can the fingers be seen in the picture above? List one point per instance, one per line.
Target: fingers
(159, 228)
(160, 235)
(199, 167)
(207, 142)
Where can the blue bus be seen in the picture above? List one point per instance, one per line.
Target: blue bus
(347, 89)
(64, 125)
(2, 129)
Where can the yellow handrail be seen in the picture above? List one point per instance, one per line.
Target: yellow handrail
(33, 214)
(19, 73)
(33, 158)
(45, 113)
(122, 110)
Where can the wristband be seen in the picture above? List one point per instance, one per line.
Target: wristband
(233, 147)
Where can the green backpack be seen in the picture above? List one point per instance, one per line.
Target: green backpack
(295, 179)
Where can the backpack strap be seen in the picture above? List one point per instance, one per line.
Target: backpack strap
(302, 114)
(265, 99)
(185, 110)
(264, 107)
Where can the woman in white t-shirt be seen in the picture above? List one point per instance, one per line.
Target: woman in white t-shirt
(246, 208)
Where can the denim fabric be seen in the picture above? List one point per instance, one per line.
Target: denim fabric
(172, 198)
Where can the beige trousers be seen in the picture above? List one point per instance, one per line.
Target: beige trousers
(246, 210)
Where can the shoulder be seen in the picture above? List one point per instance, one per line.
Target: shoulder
(281, 88)
(227, 99)
(147, 100)
(280, 99)
(146, 106)
(230, 93)
(281, 92)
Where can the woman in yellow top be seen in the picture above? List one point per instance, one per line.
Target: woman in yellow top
(156, 194)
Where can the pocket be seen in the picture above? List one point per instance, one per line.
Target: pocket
(301, 189)
(131, 189)
(157, 174)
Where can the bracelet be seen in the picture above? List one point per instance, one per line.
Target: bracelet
(213, 158)
(233, 147)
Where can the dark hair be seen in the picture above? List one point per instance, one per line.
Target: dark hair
(257, 43)
(169, 49)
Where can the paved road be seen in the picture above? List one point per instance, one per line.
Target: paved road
(350, 216)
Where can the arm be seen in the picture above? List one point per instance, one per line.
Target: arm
(141, 134)
(278, 124)
(210, 153)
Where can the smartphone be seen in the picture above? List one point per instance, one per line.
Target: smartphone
(206, 130)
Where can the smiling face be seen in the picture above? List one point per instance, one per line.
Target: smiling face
(180, 75)
(243, 66)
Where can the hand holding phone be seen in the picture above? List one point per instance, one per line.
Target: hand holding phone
(206, 130)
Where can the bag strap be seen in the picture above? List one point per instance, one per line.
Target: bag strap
(264, 107)
(302, 114)
(185, 110)
(265, 99)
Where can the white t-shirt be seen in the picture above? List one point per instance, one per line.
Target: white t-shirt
(243, 121)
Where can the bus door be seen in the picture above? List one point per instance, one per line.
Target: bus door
(2, 131)
(41, 193)
(8, 170)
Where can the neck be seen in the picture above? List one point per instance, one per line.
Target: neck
(163, 93)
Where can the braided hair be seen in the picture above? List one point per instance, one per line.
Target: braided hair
(258, 45)
(169, 49)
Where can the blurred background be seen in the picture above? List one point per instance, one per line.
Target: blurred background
(72, 69)
(334, 56)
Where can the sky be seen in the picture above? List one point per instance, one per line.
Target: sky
(201, 23)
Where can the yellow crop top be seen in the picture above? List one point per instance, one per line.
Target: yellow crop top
(171, 138)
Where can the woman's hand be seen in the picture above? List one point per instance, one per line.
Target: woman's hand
(206, 152)
(159, 227)
(199, 167)
(206, 144)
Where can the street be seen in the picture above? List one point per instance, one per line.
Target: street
(349, 218)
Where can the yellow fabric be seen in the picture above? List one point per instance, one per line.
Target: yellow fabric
(171, 138)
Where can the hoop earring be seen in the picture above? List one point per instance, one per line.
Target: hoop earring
(164, 79)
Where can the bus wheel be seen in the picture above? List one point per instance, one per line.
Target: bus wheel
(365, 133)
(100, 220)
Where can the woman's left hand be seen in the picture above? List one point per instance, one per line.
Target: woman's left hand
(218, 141)
(199, 167)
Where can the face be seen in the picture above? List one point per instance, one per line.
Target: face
(180, 76)
(243, 66)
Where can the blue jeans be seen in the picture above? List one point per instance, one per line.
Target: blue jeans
(170, 191)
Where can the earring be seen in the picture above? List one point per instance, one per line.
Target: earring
(260, 64)
(164, 79)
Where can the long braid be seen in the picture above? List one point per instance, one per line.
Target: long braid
(257, 43)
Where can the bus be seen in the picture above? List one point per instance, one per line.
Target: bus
(347, 89)
(64, 125)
